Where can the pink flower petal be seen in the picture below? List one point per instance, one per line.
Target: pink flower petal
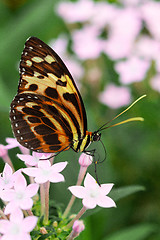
(20, 183)
(7, 169)
(29, 223)
(78, 191)
(31, 189)
(44, 164)
(7, 195)
(90, 181)
(16, 216)
(41, 179)
(4, 226)
(89, 203)
(57, 177)
(10, 207)
(106, 202)
(58, 167)
(26, 203)
(28, 159)
(106, 188)
(31, 171)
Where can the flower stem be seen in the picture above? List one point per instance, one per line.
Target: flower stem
(44, 191)
(81, 212)
(79, 181)
(46, 215)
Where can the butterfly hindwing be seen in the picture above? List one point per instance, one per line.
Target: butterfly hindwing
(47, 113)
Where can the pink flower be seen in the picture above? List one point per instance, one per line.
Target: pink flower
(17, 227)
(78, 226)
(34, 159)
(150, 12)
(86, 42)
(103, 14)
(155, 82)
(93, 194)
(123, 31)
(132, 70)
(79, 11)
(45, 172)
(115, 97)
(147, 47)
(7, 177)
(20, 196)
(85, 160)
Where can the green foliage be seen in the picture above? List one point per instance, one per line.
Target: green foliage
(138, 232)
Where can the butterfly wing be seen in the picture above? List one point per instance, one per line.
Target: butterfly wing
(48, 113)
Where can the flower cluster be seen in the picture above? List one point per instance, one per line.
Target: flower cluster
(127, 32)
(20, 214)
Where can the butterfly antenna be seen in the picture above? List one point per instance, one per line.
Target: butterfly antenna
(95, 165)
(125, 121)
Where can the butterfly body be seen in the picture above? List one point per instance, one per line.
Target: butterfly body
(48, 114)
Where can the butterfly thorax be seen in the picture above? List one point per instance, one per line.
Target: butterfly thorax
(82, 144)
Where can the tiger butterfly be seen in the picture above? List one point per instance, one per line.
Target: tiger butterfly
(48, 114)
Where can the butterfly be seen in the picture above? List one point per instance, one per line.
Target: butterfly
(48, 114)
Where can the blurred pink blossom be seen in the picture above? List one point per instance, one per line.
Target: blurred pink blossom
(132, 2)
(86, 42)
(115, 97)
(155, 82)
(147, 47)
(103, 14)
(79, 11)
(150, 13)
(132, 70)
(122, 33)
(157, 63)
(18, 227)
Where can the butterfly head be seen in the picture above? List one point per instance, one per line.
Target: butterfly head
(96, 136)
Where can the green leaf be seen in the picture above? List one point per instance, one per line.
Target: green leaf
(122, 192)
(138, 232)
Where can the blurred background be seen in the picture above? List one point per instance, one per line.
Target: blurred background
(112, 49)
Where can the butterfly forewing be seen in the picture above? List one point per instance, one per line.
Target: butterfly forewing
(47, 114)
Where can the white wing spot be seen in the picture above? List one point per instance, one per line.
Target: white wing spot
(21, 99)
(49, 59)
(18, 131)
(28, 63)
(37, 59)
(28, 96)
(16, 124)
(21, 138)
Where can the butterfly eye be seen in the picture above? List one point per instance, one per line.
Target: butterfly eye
(96, 137)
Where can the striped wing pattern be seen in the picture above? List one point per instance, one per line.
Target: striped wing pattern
(48, 113)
